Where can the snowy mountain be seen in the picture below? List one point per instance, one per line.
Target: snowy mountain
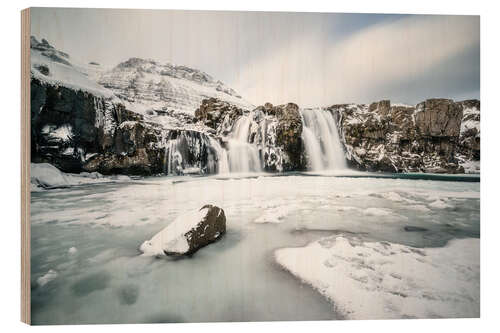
(148, 87)
(57, 68)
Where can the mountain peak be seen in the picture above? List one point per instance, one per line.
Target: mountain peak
(148, 85)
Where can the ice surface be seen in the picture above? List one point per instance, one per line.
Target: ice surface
(49, 276)
(108, 222)
(382, 280)
(274, 215)
(377, 211)
(441, 204)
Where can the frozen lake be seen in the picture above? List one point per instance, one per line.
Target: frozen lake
(86, 267)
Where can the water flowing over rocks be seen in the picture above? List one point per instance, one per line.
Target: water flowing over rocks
(271, 134)
(188, 233)
(147, 118)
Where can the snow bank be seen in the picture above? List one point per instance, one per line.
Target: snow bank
(471, 166)
(382, 280)
(172, 238)
(46, 176)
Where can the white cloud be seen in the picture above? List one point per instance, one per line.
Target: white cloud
(312, 71)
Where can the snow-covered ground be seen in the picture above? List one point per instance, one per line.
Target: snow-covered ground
(426, 226)
(46, 176)
(383, 280)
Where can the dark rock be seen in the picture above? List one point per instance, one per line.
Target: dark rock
(411, 228)
(438, 118)
(105, 137)
(209, 230)
(43, 69)
(289, 135)
(382, 107)
(217, 114)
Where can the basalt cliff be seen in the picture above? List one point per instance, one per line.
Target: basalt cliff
(146, 118)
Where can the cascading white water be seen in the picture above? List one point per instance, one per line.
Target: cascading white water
(242, 155)
(222, 160)
(174, 157)
(321, 140)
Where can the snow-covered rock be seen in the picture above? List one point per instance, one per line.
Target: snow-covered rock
(188, 233)
(429, 137)
(47, 176)
(382, 280)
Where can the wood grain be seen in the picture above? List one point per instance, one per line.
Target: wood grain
(25, 168)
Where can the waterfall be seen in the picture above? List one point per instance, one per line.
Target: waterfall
(174, 157)
(242, 155)
(221, 153)
(192, 152)
(321, 140)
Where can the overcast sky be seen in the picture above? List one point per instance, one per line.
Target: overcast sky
(311, 59)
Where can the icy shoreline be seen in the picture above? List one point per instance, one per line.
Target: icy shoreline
(383, 280)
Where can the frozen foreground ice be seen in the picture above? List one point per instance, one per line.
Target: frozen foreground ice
(297, 247)
(372, 280)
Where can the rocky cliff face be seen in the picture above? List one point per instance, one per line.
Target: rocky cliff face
(133, 120)
(77, 131)
(429, 137)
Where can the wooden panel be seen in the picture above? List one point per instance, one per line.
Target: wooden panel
(25, 167)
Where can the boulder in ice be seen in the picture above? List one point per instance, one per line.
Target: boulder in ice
(188, 233)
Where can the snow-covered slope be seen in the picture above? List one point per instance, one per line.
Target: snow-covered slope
(55, 67)
(149, 87)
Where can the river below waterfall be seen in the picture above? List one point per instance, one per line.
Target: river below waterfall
(86, 267)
